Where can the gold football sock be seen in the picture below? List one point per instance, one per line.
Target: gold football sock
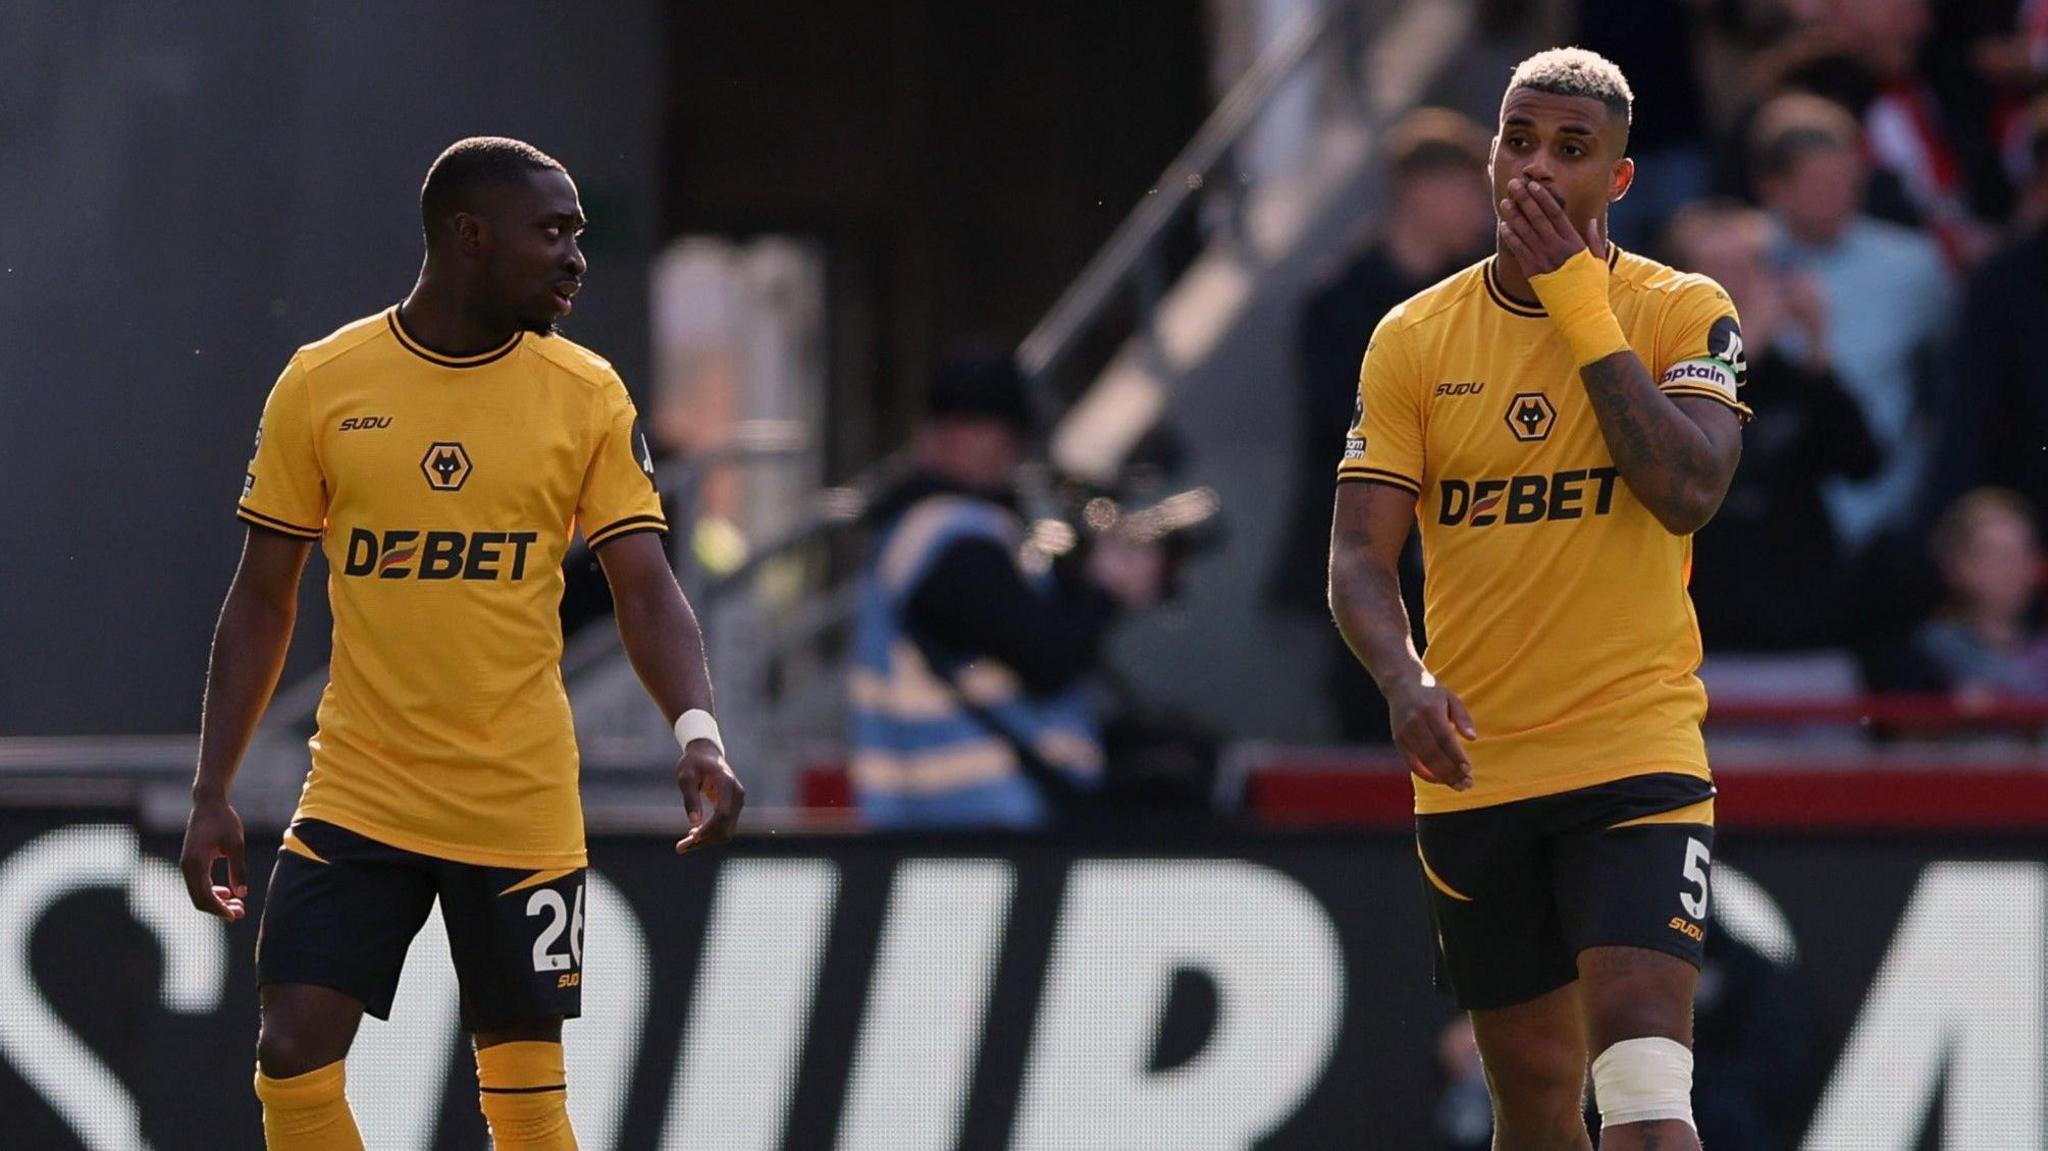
(525, 1097)
(307, 1112)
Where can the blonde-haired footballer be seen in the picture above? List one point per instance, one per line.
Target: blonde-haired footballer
(441, 453)
(1559, 418)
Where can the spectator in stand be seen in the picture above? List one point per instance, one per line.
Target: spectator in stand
(1439, 219)
(1982, 61)
(1886, 291)
(1743, 55)
(1464, 1111)
(1771, 574)
(1995, 420)
(972, 652)
(1867, 55)
(2012, 61)
(2010, 55)
(1983, 647)
(2030, 210)
(1932, 128)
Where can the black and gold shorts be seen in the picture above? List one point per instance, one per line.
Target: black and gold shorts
(342, 910)
(1516, 891)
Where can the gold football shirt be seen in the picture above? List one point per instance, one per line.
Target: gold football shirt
(444, 492)
(1554, 602)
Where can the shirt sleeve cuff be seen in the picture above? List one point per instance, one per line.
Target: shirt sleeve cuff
(250, 515)
(1361, 473)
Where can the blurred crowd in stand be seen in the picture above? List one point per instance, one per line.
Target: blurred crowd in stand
(1869, 181)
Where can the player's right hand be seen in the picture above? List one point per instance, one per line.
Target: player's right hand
(712, 796)
(1431, 726)
(214, 831)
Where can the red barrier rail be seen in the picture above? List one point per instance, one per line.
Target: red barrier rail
(1372, 791)
(823, 786)
(1924, 797)
(1906, 711)
(1933, 790)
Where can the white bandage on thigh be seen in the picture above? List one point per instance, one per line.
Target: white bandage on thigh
(1639, 1080)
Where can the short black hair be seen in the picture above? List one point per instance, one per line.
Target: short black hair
(979, 381)
(1961, 519)
(1697, 225)
(472, 163)
(1576, 72)
(1430, 140)
(1794, 125)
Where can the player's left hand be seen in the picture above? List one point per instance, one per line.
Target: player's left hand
(712, 796)
(214, 832)
(1537, 233)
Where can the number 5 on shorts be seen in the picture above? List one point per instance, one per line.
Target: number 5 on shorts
(548, 900)
(1697, 857)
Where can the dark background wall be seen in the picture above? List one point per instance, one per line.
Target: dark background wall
(190, 193)
(961, 162)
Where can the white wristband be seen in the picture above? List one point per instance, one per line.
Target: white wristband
(696, 724)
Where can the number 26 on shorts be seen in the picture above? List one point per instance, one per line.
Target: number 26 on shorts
(549, 902)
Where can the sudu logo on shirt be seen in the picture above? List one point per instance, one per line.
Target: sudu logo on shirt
(438, 555)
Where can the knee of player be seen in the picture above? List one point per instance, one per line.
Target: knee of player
(1642, 1081)
(1630, 993)
(1539, 1113)
(1615, 1018)
(288, 1048)
(541, 1031)
(1537, 1081)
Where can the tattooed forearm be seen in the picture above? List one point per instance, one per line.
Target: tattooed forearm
(1677, 464)
(1365, 597)
(1366, 538)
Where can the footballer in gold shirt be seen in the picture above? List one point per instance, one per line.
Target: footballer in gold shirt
(1558, 419)
(442, 454)
(444, 492)
(1554, 598)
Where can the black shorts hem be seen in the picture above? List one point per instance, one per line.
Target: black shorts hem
(312, 975)
(1496, 997)
(1683, 948)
